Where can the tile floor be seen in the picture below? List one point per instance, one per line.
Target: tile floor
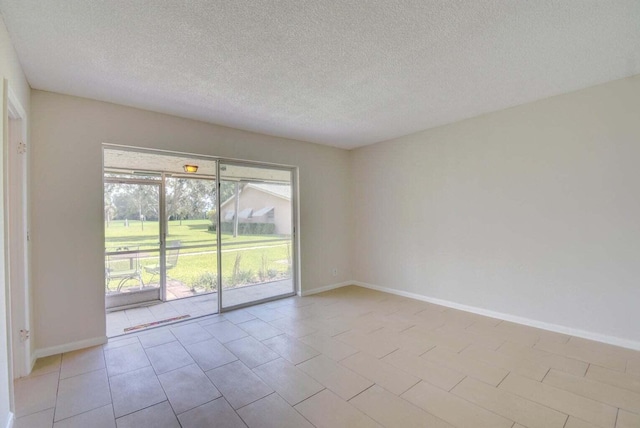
(195, 306)
(347, 358)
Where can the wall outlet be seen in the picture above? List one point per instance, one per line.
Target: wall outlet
(334, 271)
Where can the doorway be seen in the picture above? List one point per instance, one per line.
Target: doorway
(17, 238)
(188, 236)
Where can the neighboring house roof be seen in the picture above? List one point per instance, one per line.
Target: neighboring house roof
(282, 191)
(263, 211)
(278, 190)
(245, 213)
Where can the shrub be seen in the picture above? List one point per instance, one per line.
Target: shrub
(236, 268)
(246, 228)
(207, 280)
(245, 277)
(264, 267)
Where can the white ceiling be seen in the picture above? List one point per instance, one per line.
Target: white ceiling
(336, 72)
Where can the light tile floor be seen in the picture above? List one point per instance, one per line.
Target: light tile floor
(196, 306)
(351, 357)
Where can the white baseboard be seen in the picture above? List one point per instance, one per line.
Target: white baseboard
(325, 288)
(73, 346)
(10, 419)
(34, 357)
(598, 337)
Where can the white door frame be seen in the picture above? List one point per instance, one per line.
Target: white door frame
(17, 235)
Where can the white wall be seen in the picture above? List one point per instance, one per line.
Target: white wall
(533, 211)
(11, 71)
(67, 241)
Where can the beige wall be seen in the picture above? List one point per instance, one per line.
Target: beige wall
(533, 211)
(67, 133)
(11, 71)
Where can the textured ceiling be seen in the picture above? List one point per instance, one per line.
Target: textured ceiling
(342, 73)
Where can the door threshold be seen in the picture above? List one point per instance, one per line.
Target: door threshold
(133, 306)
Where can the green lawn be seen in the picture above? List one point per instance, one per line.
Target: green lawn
(262, 257)
(190, 232)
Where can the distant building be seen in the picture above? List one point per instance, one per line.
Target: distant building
(261, 203)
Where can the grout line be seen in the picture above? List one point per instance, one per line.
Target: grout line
(312, 395)
(104, 355)
(463, 349)
(484, 408)
(73, 416)
(362, 392)
(84, 373)
(262, 364)
(55, 406)
(303, 416)
(419, 381)
(257, 399)
(304, 361)
(113, 408)
(459, 382)
(221, 397)
(392, 352)
(507, 375)
(167, 400)
(428, 350)
(372, 331)
(407, 328)
(389, 353)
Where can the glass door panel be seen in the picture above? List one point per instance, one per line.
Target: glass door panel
(191, 241)
(256, 227)
(132, 241)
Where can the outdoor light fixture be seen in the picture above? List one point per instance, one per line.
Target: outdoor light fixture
(191, 169)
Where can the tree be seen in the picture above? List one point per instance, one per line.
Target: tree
(175, 197)
(109, 211)
(146, 198)
(184, 198)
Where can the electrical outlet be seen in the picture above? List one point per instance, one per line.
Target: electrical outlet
(334, 271)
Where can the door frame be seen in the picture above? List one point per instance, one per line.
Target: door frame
(295, 209)
(294, 231)
(17, 251)
(161, 224)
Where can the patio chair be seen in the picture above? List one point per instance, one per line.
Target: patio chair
(122, 267)
(171, 254)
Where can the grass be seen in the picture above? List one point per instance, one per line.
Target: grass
(259, 254)
(188, 232)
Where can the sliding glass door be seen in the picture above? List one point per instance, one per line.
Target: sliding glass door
(217, 235)
(256, 233)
